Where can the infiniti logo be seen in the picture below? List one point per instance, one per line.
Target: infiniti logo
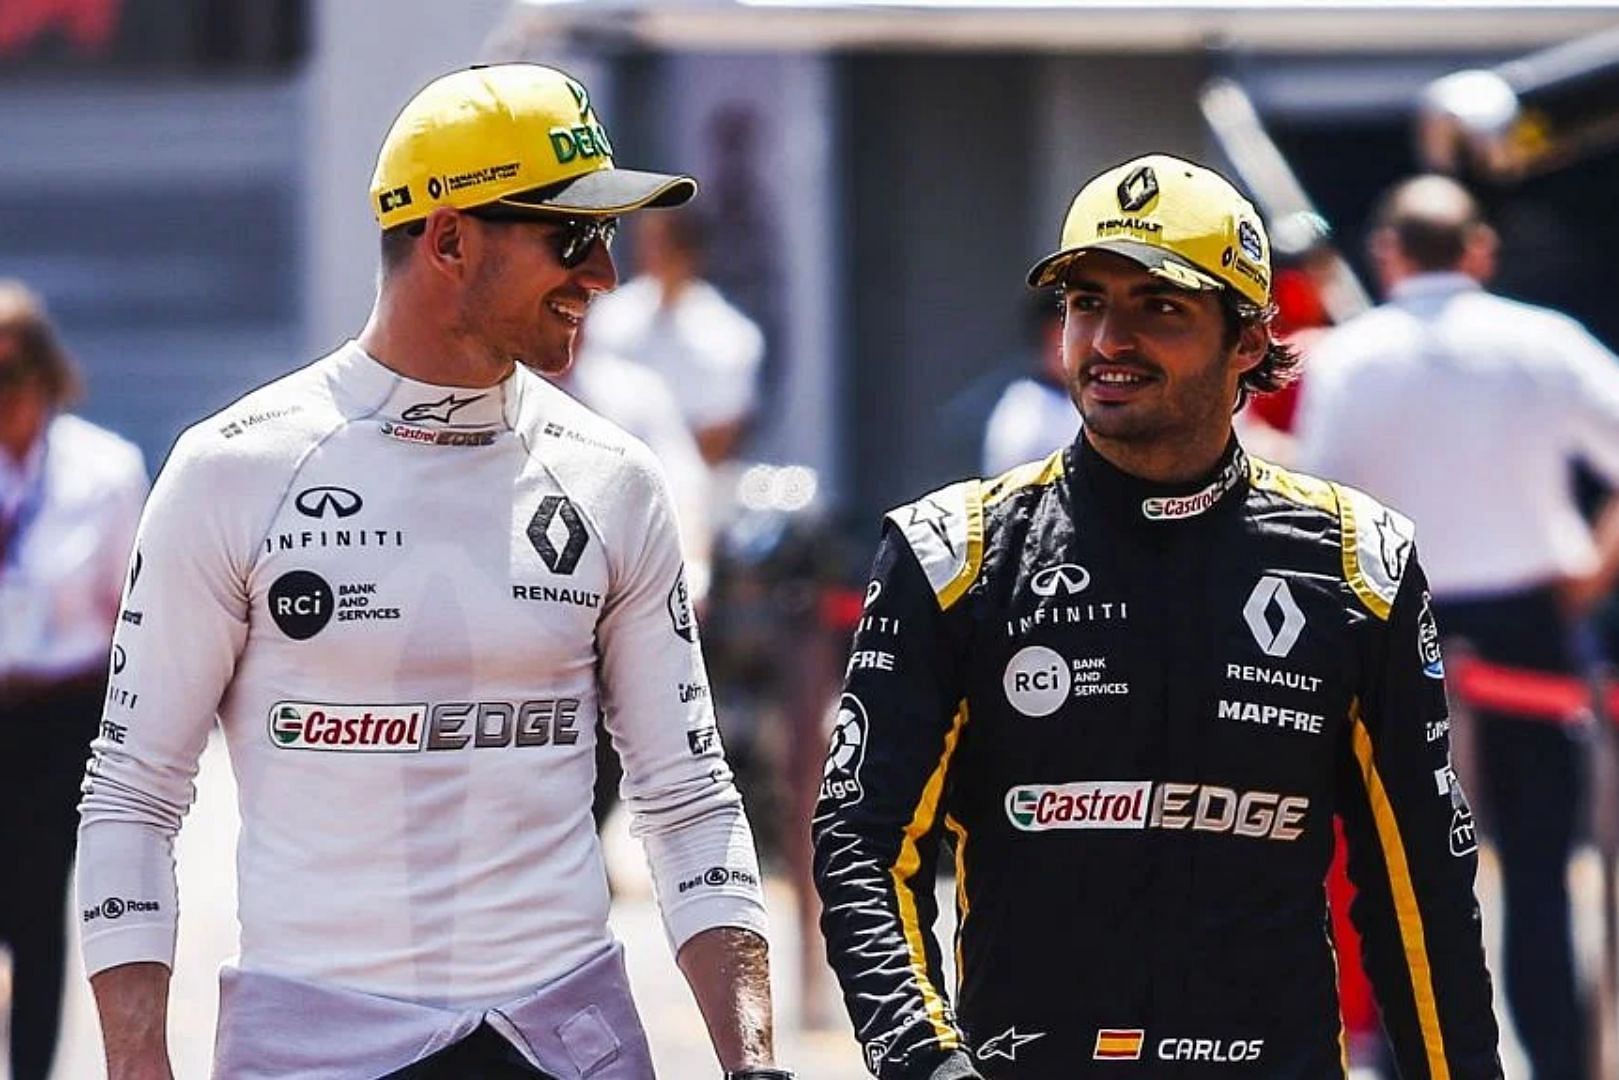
(317, 502)
(1066, 579)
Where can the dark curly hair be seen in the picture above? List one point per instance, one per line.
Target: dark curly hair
(1282, 361)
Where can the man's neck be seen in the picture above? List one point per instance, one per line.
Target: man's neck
(393, 339)
(1162, 461)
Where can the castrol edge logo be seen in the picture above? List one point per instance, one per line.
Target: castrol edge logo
(303, 725)
(1147, 804)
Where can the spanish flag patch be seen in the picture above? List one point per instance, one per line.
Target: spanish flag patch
(1118, 1044)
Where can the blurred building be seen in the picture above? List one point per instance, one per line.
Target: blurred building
(185, 179)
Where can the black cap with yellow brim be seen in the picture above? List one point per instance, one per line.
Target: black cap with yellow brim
(520, 135)
(1183, 222)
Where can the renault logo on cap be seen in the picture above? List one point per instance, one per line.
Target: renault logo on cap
(1138, 189)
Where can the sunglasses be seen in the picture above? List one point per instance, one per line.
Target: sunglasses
(572, 237)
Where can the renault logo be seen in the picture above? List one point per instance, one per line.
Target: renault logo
(1064, 580)
(1138, 189)
(1271, 592)
(318, 502)
(558, 534)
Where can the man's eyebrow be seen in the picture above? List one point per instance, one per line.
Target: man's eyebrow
(1150, 287)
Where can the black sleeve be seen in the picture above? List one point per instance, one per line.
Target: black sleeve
(1412, 854)
(878, 822)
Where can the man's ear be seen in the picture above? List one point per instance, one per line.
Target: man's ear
(1253, 342)
(447, 242)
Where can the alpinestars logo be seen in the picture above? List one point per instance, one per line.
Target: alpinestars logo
(929, 513)
(1005, 1045)
(558, 534)
(1272, 591)
(441, 410)
(1138, 189)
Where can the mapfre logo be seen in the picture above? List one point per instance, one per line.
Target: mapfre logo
(1067, 579)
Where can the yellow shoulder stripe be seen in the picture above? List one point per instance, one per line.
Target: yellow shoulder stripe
(1295, 487)
(1029, 474)
(1407, 914)
(906, 867)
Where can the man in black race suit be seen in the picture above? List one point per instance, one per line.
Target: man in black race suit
(1129, 687)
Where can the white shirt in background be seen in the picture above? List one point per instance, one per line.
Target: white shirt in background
(75, 499)
(1465, 411)
(707, 351)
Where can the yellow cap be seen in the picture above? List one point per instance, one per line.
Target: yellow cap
(521, 135)
(1183, 222)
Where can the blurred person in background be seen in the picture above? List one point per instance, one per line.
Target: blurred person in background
(1134, 683)
(70, 495)
(638, 400)
(1033, 415)
(679, 325)
(407, 577)
(1468, 411)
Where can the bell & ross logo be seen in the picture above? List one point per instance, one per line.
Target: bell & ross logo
(394, 199)
(319, 502)
(558, 534)
(441, 410)
(1138, 189)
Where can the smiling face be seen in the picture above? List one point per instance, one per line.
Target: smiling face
(1148, 363)
(520, 303)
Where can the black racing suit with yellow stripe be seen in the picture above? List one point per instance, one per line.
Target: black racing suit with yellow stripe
(1132, 713)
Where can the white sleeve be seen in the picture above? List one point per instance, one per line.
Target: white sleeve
(174, 652)
(655, 698)
(1593, 405)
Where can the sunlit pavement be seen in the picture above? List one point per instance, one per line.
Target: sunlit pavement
(206, 853)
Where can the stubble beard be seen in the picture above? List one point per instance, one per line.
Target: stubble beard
(1183, 408)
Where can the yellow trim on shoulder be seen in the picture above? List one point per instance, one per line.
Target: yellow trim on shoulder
(1350, 544)
(1407, 914)
(968, 573)
(907, 866)
(962, 904)
(1295, 487)
(1029, 474)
